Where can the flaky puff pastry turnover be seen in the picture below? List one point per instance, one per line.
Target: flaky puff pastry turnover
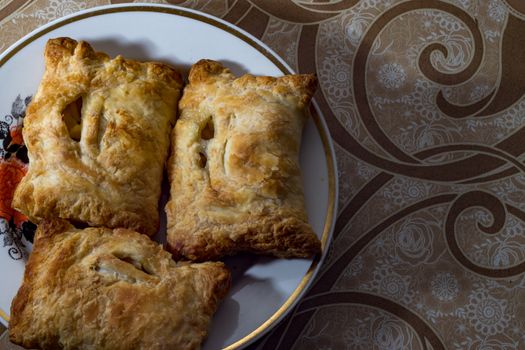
(97, 134)
(234, 170)
(99, 288)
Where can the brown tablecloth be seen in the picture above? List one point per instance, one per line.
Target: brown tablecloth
(424, 102)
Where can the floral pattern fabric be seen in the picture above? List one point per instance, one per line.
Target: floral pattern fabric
(424, 101)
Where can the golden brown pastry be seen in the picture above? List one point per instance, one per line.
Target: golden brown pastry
(97, 134)
(99, 288)
(234, 169)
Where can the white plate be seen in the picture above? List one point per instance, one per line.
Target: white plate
(264, 289)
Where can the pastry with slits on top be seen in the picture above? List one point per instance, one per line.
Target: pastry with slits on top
(99, 288)
(97, 134)
(234, 169)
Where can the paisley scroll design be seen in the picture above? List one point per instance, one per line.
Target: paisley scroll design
(511, 84)
(483, 162)
(516, 7)
(329, 276)
(12, 7)
(329, 6)
(459, 171)
(427, 336)
(499, 214)
(425, 333)
(473, 169)
(292, 12)
(424, 62)
(361, 59)
(360, 198)
(237, 11)
(255, 22)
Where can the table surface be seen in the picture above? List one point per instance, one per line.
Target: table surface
(424, 102)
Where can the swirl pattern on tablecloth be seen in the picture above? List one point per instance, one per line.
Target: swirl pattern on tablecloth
(424, 101)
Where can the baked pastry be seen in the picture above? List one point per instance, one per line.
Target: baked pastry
(99, 288)
(234, 169)
(97, 134)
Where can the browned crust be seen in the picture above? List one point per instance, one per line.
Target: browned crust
(74, 69)
(204, 70)
(59, 48)
(283, 238)
(201, 71)
(43, 238)
(60, 248)
(272, 222)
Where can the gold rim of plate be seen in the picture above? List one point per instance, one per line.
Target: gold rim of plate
(208, 19)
